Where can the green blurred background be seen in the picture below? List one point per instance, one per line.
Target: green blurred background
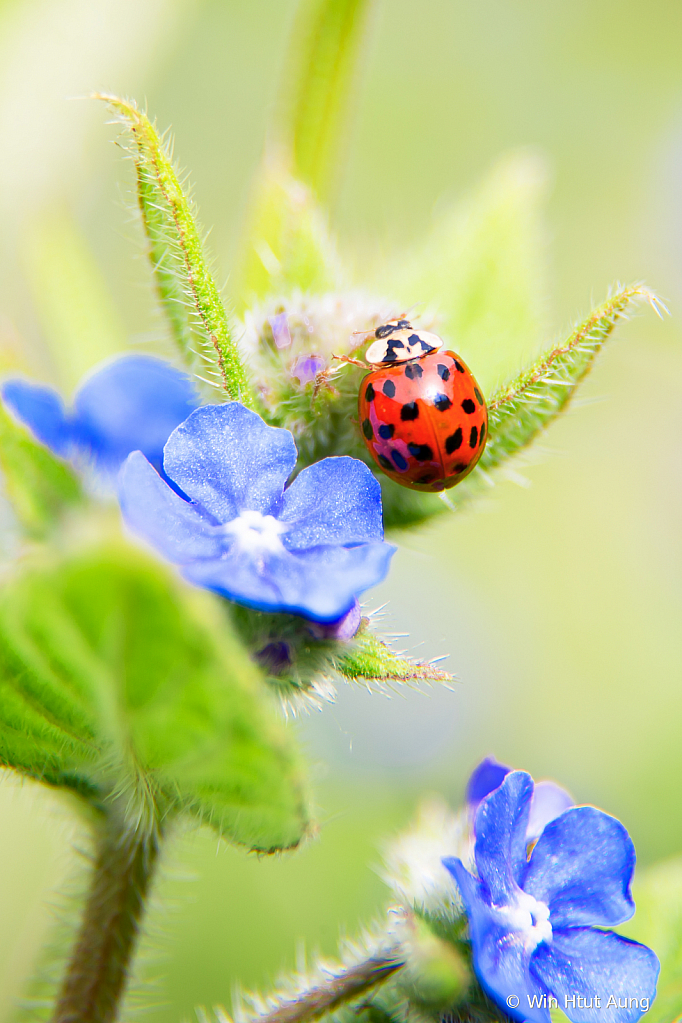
(559, 603)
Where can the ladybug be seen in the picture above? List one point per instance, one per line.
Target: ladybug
(422, 414)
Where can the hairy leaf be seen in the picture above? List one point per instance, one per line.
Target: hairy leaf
(524, 407)
(39, 485)
(113, 679)
(186, 287)
(482, 268)
(302, 662)
(369, 660)
(325, 50)
(288, 245)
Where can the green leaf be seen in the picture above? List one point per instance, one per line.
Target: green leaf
(658, 924)
(39, 486)
(521, 409)
(187, 290)
(322, 71)
(482, 269)
(74, 304)
(113, 678)
(302, 665)
(288, 245)
(370, 661)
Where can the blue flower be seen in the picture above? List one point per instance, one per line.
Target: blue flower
(533, 921)
(132, 403)
(549, 799)
(309, 548)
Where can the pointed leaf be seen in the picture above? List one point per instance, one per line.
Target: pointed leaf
(322, 70)
(520, 410)
(482, 268)
(186, 287)
(369, 660)
(115, 678)
(288, 245)
(39, 486)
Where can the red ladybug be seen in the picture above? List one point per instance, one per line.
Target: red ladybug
(422, 414)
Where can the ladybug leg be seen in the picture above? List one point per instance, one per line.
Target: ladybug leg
(351, 361)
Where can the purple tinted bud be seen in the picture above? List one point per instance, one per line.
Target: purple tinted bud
(280, 330)
(485, 778)
(307, 367)
(274, 657)
(343, 629)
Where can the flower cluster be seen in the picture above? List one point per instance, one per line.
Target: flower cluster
(208, 490)
(534, 921)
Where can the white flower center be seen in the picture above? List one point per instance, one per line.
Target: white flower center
(255, 532)
(529, 918)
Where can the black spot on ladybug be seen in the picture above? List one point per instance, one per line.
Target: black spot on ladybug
(367, 429)
(413, 371)
(422, 452)
(482, 437)
(454, 441)
(428, 477)
(389, 389)
(443, 372)
(460, 467)
(459, 367)
(369, 393)
(400, 462)
(442, 402)
(473, 437)
(479, 396)
(391, 354)
(468, 406)
(386, 431)
(415, 339)
(410, 410)
(384, 463)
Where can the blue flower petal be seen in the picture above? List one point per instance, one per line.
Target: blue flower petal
(585, 962)
(500, 828)
(582, 867)
(227, 459)
(484, 779)
(320, 584)
(41, 409)
(501, 961)
(132, 403)
(549, 800)
(335, 501)
(152, 510)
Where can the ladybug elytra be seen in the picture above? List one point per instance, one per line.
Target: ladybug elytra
(422, 415)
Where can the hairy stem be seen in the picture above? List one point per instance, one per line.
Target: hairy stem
(98, 969)
(340, 988)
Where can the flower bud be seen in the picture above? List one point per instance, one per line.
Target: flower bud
(436, 975)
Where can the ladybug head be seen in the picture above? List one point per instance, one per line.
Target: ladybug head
(387, 328)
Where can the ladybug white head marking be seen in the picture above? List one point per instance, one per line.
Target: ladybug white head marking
(397, 341)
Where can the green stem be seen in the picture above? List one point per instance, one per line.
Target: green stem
(342, 987)
(99, 966)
